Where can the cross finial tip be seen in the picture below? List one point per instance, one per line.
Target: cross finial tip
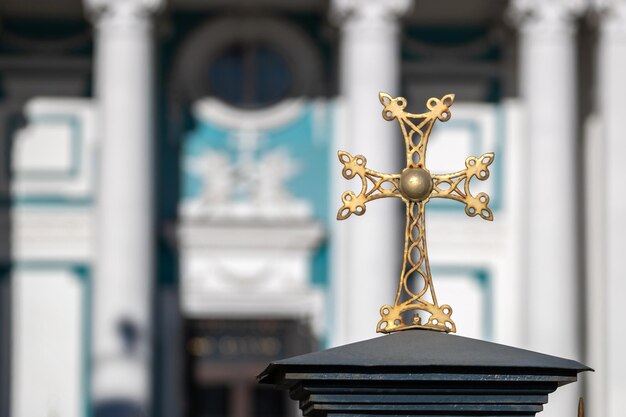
(384, 97)
(581, 407)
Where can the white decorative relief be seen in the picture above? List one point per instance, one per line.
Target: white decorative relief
(53, 155)
(218, 177)
(250, 269)
(250, 185)
(274, 170)
(246, 243)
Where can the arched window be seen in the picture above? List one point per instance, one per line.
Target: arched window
(249, 62)
(250, 75)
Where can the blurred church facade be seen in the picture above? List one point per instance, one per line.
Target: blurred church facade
(170, 186)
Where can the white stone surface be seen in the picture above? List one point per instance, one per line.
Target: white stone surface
(53, 154)
(49, 234)
(606, 312)
(596, 281)
(124, 269)
(218, 113)
(460, 247)
(250, 268)
(548, 88)
(47, 345)
(52, 234)
(364, 247)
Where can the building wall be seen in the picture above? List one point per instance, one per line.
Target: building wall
(236, 163)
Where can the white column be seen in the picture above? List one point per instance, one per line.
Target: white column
(547, 75)
(368, 249)
(611, 70)
(123, 278)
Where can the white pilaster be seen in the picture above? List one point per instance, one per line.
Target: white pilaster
(611, 67)
(124, 247)
(548, 88)
(368, 249)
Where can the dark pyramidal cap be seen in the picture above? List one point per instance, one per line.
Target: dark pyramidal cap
(422, 372)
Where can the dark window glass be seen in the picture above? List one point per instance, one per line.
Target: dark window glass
(250, 76)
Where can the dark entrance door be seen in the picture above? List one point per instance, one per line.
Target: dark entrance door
(225, 356)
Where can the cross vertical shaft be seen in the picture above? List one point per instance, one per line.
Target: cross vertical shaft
(416, 304)
(415, 281)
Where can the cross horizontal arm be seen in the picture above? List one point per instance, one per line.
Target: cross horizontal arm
(374, 185)
(456, 186)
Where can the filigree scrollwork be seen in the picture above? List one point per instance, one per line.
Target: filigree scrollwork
(392, 319)
(416, 303)
(415, 283)
(374, 185)
(456, 186)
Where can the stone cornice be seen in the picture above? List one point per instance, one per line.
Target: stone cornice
(612, 16)
(369, 10)
(122, 9)
(48, 234)
(546, 17)
(256, 235)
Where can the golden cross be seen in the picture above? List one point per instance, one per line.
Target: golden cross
(415, 186)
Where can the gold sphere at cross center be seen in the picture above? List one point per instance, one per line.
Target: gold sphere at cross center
(416, 184)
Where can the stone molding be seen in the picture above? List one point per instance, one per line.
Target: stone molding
(369, 17)
(38, 172)
(545, 18)
(612, 15)
(44, 234)
(250, 269)
(285, 235)
(122, 11)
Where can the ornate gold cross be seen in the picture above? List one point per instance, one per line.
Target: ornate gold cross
(415, 186)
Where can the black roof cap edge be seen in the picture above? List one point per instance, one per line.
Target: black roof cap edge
(426, 350)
